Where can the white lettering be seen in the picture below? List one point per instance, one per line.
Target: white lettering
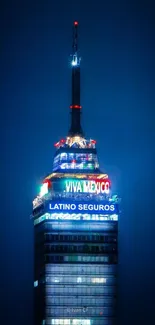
(79, 188)
(68, 186)
(85, 186)
(98, 187)
(73, 206)
(74, 185)
(60, 205)
(112, 208)
(56, 207)
(92, 187)
(80, 207)
(90, 207)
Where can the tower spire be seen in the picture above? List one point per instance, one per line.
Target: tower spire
(75, 107)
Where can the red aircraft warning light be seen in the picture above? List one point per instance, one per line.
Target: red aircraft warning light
(75, 23)
(75, 106)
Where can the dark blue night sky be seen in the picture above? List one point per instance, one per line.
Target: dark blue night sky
(117, 49)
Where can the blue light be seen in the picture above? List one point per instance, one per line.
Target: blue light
(35, 283)
(74, 61)
(75, 217)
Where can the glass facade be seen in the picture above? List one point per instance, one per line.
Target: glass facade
(75, 272)
(78, 161)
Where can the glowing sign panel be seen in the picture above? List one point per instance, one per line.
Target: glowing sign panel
(103, 208)
(44, 189)
(87, 186)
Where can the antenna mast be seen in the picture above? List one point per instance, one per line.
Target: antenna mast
(75, 106)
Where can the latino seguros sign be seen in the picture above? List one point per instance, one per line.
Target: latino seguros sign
(83, 207)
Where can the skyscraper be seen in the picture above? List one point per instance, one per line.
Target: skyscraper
(75, 228)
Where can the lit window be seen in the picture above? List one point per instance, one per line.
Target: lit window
(81, 321)
(60, 322)
(71, 155)
(63, 156)
(66, 321)
(114, 217)
(98, 280)
(36, 283)
(56, 280)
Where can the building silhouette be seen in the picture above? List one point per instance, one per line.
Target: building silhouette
(75, 230)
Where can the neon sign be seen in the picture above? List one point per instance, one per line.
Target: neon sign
(103, 208)
(87, 186)
(44, 188)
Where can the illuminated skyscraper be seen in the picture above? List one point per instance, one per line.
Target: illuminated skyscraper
(75, 226)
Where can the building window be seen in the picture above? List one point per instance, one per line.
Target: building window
(36, 283)
(98, 280)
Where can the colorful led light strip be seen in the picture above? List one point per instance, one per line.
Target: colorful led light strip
(81, 176)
